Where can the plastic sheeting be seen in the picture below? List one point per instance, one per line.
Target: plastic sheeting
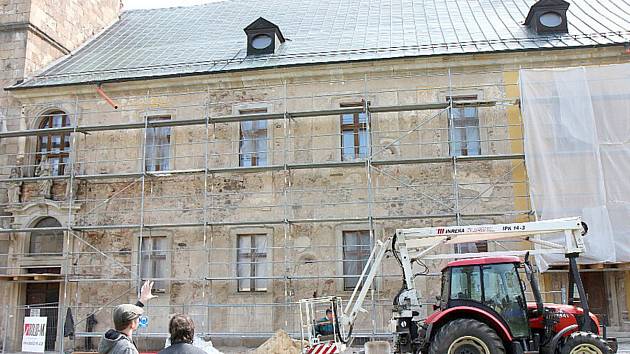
(577, 153)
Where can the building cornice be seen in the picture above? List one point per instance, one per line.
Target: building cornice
(28, 26)
(504, 60)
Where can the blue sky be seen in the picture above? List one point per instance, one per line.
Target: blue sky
(150, 4)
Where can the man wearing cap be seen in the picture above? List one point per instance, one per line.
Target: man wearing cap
(126, 319)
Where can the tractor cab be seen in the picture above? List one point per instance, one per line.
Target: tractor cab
(488, 285)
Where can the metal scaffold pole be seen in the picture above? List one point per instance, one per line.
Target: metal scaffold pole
(68, 237)
(143, 165)
(206, 324)
(286, 227)
(370, 192)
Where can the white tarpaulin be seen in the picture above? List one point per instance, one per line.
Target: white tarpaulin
(577, 153)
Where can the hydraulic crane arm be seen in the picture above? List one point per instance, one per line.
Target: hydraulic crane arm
(364, 283)
(421, 241)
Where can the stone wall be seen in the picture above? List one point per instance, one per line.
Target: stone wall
(73, 22)
(12, 58)
(66, 27)
(14, 11)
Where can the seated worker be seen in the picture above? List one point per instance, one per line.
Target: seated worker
(324, 326)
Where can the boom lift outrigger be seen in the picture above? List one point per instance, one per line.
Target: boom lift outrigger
(547, 328)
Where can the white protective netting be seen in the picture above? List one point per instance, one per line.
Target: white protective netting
(577, 153)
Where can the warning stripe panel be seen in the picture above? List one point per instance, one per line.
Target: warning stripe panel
(323, 348)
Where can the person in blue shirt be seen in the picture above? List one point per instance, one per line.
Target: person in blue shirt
(325, 326)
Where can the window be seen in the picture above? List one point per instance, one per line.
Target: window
(253, 140)
(472, 247)
(153, 260)
(251, 262)
(262, 41)
(4, 256)
(466, 283)
(356, 251)
(354, 135)
(503, 293)
(56, 146)
(157, 146)
(46, 242)
(463, 127)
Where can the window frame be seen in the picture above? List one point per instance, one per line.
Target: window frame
(356, 127)
(163, 257)
(474, 122)
(4, 256)
(349, 283)
(157, 166)
(257, 135)
(46, 121)
(29, 245)
(254, 264)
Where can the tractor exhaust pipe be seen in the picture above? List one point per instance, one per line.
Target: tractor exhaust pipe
(534, 284)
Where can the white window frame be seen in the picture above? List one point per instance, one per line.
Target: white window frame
(245, 109)
(234, 234)
(255, 266)
(365, 252)
(339, 233)
(341, 125)
(167, 260)
(465, 144)
(157, 116)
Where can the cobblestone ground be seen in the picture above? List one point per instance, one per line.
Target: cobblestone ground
(624, 348)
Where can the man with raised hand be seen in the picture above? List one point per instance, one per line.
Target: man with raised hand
(126, 319)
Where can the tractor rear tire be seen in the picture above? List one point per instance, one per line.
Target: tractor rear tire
(466, 336)
(585, 343)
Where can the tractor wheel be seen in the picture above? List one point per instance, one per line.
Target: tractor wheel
(466, 336)
(585, 343)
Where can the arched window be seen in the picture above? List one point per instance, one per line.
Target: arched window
(54, 145)
(46, 242)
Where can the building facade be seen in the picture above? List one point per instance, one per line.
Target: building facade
(245, 170)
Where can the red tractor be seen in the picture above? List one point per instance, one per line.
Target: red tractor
(482, 308)
(483, 311)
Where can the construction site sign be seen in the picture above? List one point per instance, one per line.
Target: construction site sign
(34, 337)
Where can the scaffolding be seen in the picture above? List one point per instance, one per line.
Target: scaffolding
(406, 172)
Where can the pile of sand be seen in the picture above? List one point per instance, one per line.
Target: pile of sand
(280, 343)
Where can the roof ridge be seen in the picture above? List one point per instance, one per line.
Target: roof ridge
(174, 7)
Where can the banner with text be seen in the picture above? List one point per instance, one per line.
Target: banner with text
(34, 338)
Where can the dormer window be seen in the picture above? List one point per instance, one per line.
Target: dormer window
(548, 16)
(263, 37)
(551, 19)
(262, 41)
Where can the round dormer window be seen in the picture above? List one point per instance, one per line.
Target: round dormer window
(261, 41)
(551, 19)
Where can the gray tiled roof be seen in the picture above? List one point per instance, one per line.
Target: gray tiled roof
(210, 38)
